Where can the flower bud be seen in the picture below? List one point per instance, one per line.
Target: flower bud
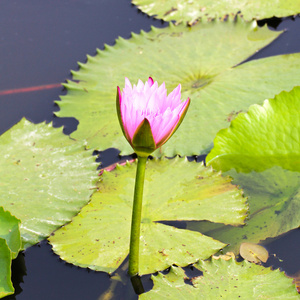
(148, 116)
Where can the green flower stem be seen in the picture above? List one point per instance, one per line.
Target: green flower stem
(133, 268)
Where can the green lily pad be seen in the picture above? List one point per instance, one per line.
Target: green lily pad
(192, 10)
(204, 59)
(10, 231)
(274, 203)
(223, 279)
(48, 178)
(263, 145)
(6, 287)
(98, 237)
(266, 136)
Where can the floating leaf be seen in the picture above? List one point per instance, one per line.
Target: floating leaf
(48, 178)
(6, 287)
(204, 59)
(266, 136)
(98, 237)
(192, 10)
(10, 231)
(223, 279)
(252, 281)
(254, 252)
(274, 203)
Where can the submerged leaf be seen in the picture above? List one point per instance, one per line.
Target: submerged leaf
(176, 189)
(205, 60)
(274, 203)
(223, 279)
(191, 10)
(48, 178)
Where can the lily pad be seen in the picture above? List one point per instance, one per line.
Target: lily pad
(6, 287)
(274, 203)
(192, 10)
(204, 59)
(48, 178)
(254, 252)
(223, 279)
(263, 145)
(266, 136)
(10, 231)
(98, 237)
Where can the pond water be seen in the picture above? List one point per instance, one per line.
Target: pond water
(40, 42)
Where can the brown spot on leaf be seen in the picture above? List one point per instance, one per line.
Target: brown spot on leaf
(233, 115)
(163, 252)
(176, 34)
(170, 11)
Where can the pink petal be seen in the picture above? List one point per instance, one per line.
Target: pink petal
(127, 83)
(174, 97)
(149, 101)
(168, 127)
(150, 81)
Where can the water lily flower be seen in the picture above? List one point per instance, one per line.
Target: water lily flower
(148, 116)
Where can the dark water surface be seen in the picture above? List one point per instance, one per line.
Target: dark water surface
(40, 41)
